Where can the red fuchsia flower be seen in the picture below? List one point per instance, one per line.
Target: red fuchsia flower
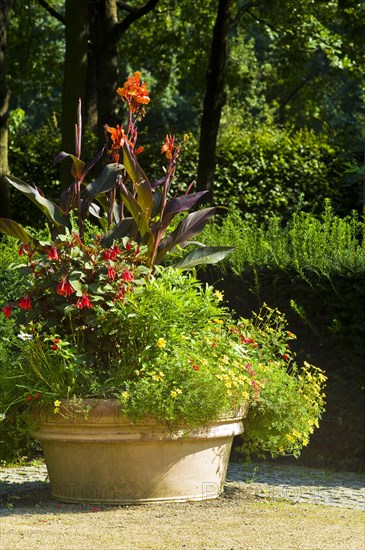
(120, 295)
(84, 302)
(128, 245)
(30, 397)
(64, 288)
(115, 251)
(285, 356)
(54, 346)
(24, 249)
(256, 388)
(7, 311)
(52, 253)
(250, 369)
(38, 395)
(107, 254)
(111, 273)
(168, 146)
(127, 276)
(25, 303)
(196, 367)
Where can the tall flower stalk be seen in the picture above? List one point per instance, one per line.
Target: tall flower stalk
(145, 210)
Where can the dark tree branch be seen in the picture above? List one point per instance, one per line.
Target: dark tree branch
(127, 7)
(263, 21)
(52, 11)
(120, 28)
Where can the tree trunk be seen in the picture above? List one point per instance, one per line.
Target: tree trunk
(75, 76)
(214, 99)
(5, 6)
(106, 63)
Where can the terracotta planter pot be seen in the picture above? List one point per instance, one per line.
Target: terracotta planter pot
(102, 458)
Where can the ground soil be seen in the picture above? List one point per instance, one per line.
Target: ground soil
(231, 522)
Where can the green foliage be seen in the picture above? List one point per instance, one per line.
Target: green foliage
(263, 171)
(326, 246)
(165, 350)
(35, 58)
(28, 150)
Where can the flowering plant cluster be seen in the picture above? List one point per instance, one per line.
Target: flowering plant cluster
(101, 316)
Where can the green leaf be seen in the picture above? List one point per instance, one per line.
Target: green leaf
(11, 228)
(140, 181)
(206, 255)
(139, 216)
(49, 208)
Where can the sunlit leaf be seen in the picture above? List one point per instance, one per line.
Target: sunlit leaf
(49, 208)
(13, 229)
(206, 255)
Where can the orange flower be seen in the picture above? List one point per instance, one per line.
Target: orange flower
(134, 92)
(168, 146)
(117, 135)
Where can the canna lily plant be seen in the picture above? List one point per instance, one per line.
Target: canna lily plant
(122, 199)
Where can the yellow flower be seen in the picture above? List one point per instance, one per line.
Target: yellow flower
(158, 376)
(175, 393)
(161, 343)
(57, 405)
(125, 395)
(219, 295)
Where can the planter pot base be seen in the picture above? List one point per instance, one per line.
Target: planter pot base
(107, 460)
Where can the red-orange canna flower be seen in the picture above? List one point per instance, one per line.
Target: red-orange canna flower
(134, 92)
(168, 146)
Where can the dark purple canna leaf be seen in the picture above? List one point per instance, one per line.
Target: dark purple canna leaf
(53, 213)
(188, 228)
(11, 228)
(158, 182)
(120, 230)
(185, 202)
(77, 164)
(89, 165)
(104, 182)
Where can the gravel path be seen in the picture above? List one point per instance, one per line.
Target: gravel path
(259, 480)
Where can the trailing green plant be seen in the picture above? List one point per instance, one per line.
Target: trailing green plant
(282, 419)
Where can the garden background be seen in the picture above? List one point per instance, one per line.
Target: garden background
(272, 97)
